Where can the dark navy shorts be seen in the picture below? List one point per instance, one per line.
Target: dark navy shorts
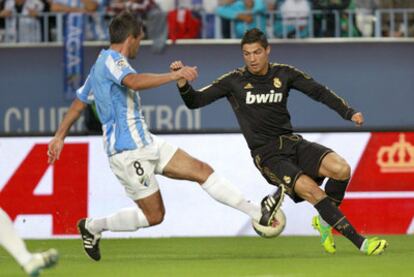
(283, 160)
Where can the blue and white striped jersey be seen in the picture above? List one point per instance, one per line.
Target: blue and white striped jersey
(119, 108)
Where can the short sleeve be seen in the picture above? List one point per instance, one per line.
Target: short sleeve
(84, 93)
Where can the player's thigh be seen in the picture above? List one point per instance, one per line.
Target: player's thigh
(183, 166)
(136, 173)
(153, 207)
(334, 166)
(310, 156)
(280, 171)
(177, 164)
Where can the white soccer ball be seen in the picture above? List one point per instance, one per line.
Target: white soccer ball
(271, 231)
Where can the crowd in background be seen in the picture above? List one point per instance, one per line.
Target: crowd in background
(27, 20)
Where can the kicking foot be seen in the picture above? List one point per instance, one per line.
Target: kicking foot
(90, 241)
(270, 204)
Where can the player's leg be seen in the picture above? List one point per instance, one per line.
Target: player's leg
(306, 188)
(135, 171)
(310, 157)
(11, 241)
(31, 263)
(338, 171)
(182, 166)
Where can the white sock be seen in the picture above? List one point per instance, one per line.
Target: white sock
(362, 248)
(11, 241)
(226, 193)
(128, 219)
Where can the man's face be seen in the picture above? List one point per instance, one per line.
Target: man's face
(134, 44)
(256, 58)
(249, 4)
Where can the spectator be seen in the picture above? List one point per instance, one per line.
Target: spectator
(332, 14)
(364, 16)
(1, 21)
(94, 23)
(154, 19)
(400, 29)
(293, 18)
(247, 14)
(348, 22)
(166, 5)
(22, 24)
(225, 23)
(117, 6)
(209, 22)
(183, 24)
(69, 6)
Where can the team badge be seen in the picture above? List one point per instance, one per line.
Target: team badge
(287, 179)
(248, 86)
(122, 63)
(277, 83)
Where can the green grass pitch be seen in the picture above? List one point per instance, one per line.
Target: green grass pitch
(232, 256)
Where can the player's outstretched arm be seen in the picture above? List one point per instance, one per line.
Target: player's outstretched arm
(56, 144)
(192, 98)
(148, 80)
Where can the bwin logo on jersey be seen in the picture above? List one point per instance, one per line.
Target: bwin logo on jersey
(271, 97)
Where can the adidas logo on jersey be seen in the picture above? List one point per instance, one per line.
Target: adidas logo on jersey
(271, 97)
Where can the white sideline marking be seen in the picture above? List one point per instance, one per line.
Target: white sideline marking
(410, 229)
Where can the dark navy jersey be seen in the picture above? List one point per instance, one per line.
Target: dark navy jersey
(260, 102)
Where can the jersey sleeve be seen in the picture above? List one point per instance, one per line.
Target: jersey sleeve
(306, 84)
(117, 67)
(199, 98)
(84, 93)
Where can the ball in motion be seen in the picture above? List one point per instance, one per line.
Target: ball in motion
(277, 227)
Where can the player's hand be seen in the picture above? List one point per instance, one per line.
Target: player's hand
(358, 119)
(188, 73)
(54, 149)
(176, 65)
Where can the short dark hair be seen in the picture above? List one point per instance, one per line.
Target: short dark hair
(124, 25)
(253, 36)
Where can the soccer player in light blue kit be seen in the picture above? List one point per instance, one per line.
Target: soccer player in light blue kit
(32, 263)
(135, 155)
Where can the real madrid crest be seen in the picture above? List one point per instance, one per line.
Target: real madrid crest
(287, 179)
(277, 83)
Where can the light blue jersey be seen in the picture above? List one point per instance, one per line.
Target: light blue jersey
(118, 107)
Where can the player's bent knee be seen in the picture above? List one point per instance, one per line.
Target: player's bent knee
(155, 217)
(342, 171)
(203, 171)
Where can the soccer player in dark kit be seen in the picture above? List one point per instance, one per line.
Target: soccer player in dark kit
(258, 94)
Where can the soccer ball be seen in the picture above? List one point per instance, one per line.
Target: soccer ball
(277, 227)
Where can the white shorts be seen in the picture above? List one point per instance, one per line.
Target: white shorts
(136, 169)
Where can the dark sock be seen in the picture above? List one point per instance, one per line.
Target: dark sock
(335, 189)
(334, 217)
